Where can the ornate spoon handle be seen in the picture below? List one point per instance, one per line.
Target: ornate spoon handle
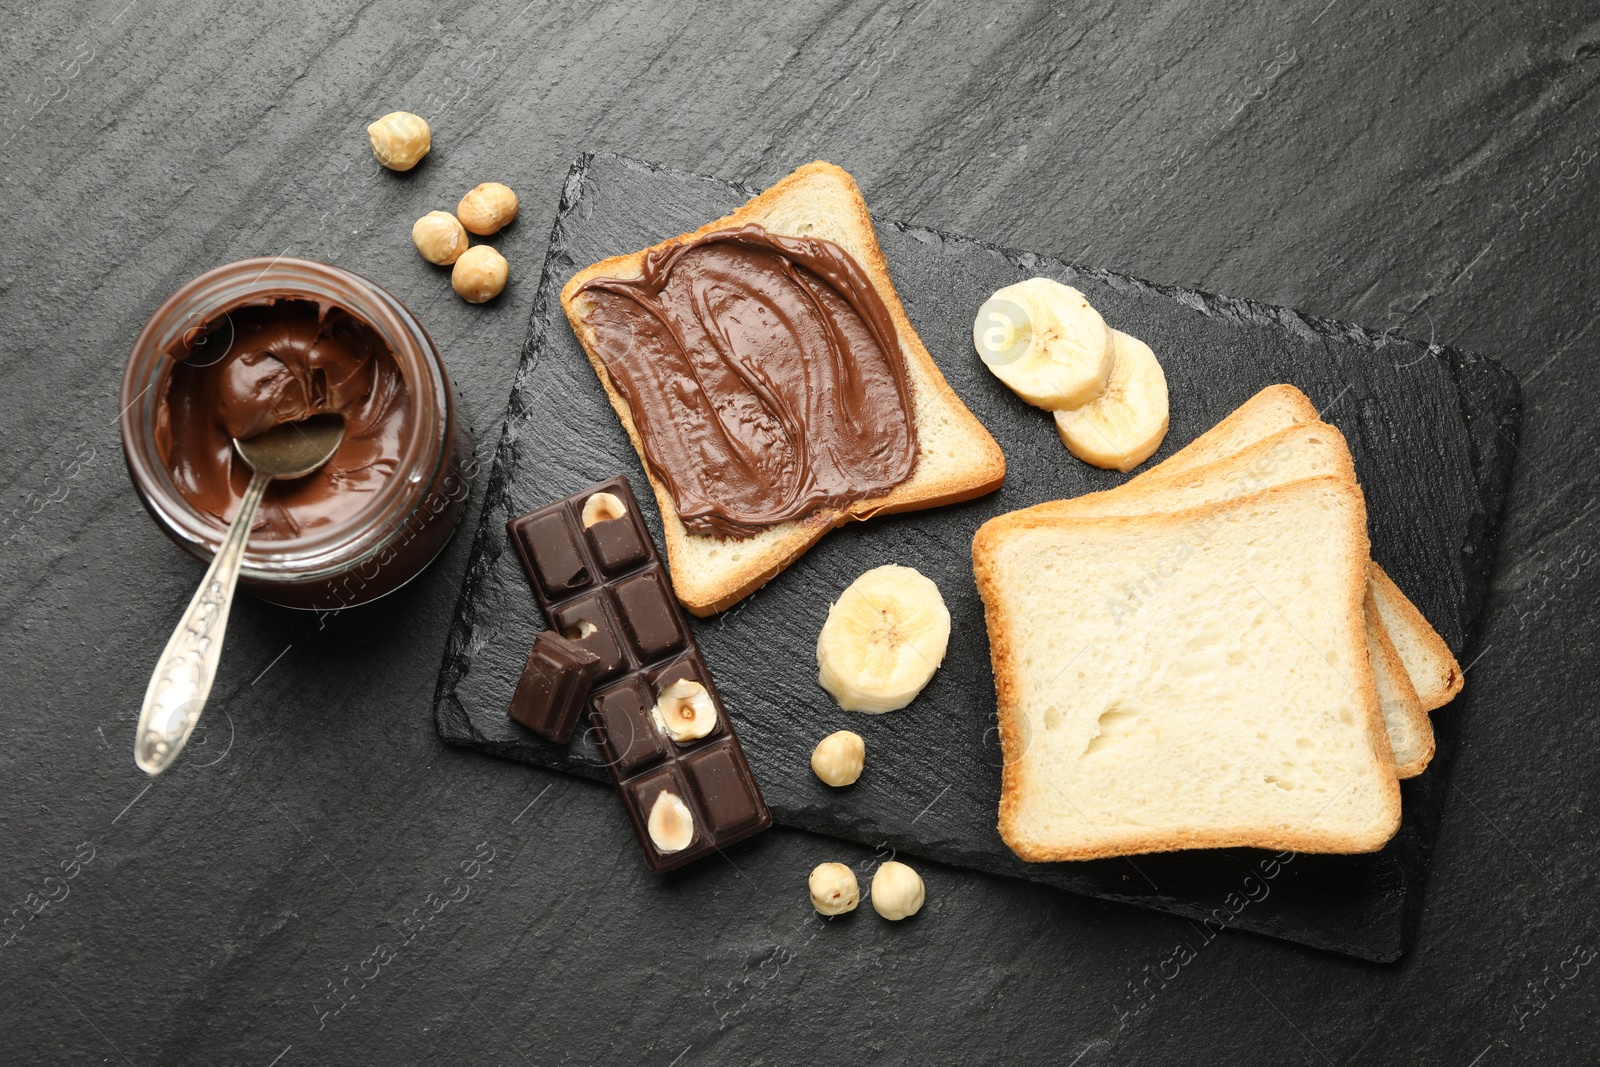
(182, 679)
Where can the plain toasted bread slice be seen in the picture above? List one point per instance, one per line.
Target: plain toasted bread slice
(1306, 450)
(1428, 660)
(1434, 672)
(1192, 679)
(956, 459)
(1406, 720)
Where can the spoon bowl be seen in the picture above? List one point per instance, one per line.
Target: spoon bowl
(182, 680)
(292, 449)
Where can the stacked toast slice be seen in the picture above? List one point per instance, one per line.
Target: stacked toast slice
(1139, 713)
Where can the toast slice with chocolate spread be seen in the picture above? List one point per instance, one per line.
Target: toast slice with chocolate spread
(954, 457)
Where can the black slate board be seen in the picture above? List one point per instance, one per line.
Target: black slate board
(1432, 430)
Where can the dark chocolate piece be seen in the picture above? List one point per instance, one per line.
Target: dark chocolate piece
(586, 623)
(603, 588)
(639, 795)
(619, 544)
(691, 667)
(557, 568)
(555, 682)
(645, 606)
(627, 736)
(721, 779)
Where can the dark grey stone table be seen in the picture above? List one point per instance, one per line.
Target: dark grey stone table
(321, 880)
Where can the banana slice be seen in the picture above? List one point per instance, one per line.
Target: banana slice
(885, 636)
(1045, 342)
(1122, 428)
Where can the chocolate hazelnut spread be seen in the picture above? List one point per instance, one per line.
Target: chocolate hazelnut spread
(763, 375)
(276, 359)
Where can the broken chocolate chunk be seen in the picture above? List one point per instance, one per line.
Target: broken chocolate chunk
(555, 682)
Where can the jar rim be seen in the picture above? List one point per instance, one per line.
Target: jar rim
(372, 529)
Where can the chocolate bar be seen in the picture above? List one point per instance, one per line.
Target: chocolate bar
(555, 683)
(659, 720)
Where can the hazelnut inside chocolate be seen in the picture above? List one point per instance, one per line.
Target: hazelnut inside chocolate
(685, 711)
(671, 824)
(602, 507)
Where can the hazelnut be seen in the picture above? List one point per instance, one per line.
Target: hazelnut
(896, 891)
(670, 824)
(685, 711)
(602, 507)
(400, 139)
(487, 208)
(833, 889)
(839, 757)
(479, 274)
(440, 237)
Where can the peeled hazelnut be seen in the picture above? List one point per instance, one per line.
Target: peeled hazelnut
(487, 208)
(684, 711)
(670, 824)
(400, 140)
(602, 507)
(440, 237)
(896, 891)
(839, 757)
(479, 274)
(833, 889)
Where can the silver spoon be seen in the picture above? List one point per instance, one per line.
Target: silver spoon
(182, 680)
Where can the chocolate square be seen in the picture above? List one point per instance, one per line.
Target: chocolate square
(690, 666)
(555, 680)
(641, 794)
(619, 543)
(648, 614)
(628, 736)
(725, 788)
(604, 640)
(550, 553)
(687, 665)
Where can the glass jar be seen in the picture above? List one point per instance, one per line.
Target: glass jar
(406, 522)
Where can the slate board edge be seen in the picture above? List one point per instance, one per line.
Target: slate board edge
(1493, 457)
(1491, 385)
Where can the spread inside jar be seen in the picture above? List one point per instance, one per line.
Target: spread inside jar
(274, 360)
(763, 375)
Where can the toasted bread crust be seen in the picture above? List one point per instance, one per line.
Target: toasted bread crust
(1416, 715)
(767, 554)
(1003, 657)
(1439, 686)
